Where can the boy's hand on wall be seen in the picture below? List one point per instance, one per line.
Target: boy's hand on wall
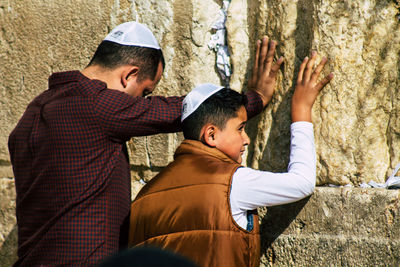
(308, 88)
(264, 70)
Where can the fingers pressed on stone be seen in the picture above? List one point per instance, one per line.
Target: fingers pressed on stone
(270, 56)
(309, 67)
(318, 69)
(301, 70)
(324, 82)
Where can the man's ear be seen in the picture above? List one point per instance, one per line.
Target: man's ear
(208, 133)
(129, 73)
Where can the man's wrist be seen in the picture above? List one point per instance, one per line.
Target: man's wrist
(254, 104)
(265, 99)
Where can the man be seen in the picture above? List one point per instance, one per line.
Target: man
(69, 155)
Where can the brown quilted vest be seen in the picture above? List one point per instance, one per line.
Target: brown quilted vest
(185, 208)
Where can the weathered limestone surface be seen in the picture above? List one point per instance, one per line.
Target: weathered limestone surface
(41, 37)
(8, 232)
(334, 227)
(357, 116)
(37, 38)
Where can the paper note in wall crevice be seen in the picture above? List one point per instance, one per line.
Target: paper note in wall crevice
(218, 43)
(393, 182)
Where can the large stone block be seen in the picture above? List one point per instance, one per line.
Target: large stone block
(38, 38)
(356, 116)
(334, 227)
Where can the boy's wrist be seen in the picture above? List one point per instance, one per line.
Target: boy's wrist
(301, 114)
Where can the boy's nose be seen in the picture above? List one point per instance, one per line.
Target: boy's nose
(246, 139)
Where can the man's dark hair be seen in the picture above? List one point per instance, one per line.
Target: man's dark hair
(111, 55)
(217, 109)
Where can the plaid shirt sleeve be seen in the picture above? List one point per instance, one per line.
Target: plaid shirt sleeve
(122, 116)
(254, 104)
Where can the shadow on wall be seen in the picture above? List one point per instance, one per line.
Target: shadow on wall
(274, 223)
(8, 251)
(254, 34)
(398, 70)
(278, 218)
(274, 158)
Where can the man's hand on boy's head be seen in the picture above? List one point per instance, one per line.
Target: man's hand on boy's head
(308, 88)
(264, 70)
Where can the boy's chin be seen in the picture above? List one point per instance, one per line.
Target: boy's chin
(238, 160)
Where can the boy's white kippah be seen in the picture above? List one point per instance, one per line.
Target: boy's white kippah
(133, 33)
(197, 96)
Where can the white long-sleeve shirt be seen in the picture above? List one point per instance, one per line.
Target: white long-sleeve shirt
(253, 188)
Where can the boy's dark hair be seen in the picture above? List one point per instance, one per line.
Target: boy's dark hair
(110, 55)
(217, 109)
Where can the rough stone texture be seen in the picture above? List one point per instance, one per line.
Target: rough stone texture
(357, 116)
(357, 122)
(8, 228)
(334, 227)
(38, 38)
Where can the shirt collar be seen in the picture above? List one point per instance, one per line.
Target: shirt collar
(70, 76)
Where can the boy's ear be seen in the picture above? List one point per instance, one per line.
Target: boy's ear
(129, 73)
(208, 134)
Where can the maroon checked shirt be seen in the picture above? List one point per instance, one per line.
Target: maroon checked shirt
(72, 170)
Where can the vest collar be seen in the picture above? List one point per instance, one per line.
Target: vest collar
(198, 148)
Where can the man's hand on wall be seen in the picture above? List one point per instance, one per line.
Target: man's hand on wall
(264, 70)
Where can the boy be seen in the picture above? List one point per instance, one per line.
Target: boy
(203, 205)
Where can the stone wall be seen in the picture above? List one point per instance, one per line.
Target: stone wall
(357, 117)
(334, 227)
(357, 122)
(8, 228)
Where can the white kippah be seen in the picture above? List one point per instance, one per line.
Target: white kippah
(133, 33)
(197, 96)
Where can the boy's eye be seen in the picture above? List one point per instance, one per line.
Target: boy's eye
(241, 127)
